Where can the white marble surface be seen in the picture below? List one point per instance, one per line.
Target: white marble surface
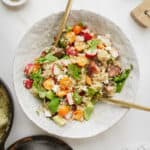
(134, 128)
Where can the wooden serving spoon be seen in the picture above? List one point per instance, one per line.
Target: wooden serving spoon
(64, 21)
(124, 104)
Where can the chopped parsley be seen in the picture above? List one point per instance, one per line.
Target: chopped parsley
(93, 44)
(74, 71)
(47, 59)
(120, 80)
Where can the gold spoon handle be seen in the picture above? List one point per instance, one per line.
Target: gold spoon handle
(64, 20)
(125, 104)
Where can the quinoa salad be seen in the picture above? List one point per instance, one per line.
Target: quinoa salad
(71, 78)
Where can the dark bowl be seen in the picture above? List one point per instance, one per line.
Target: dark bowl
(40, 142)
(11, 113)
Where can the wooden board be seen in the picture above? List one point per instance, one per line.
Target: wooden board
(141, 13)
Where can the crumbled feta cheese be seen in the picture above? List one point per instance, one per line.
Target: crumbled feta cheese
(47, 113)
(70, 99)
(79, 38)
(69, 116)
(103, 55)
(105, 40)
(84, 88)
(114, 53)
(47, 66)
(108, 48)
(66, 62)
(106, 81)
(99, 37)
(86, 30)
(56, 70)
(59, 77)
(55, 88)
(65, 70)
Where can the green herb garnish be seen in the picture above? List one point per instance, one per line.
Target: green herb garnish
(53, 104)
(68, 28)
(36, 75)
(37, 83)
(81, 24)
(91, 92)
(74, 71)
(37, 78)
(63, 42)
(66, 57)
(93, 44)
(47, 59)
(50, 95)
(120, 80)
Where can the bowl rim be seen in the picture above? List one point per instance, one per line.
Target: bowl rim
(76, 137)
(14, 4)
(39, 138)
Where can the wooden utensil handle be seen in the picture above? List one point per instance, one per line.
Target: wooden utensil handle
(125, 104)
(141, 14)
(64, 20)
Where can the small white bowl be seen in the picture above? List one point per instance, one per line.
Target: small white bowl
(14, 3)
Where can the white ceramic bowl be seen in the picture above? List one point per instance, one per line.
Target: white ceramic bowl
(40, 36)
(14, 3)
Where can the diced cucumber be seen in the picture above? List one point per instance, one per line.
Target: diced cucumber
(77, 98)
(42, 94)
(50, 95)
(59, 120)
(88, 111)
(53, 104)
(91, 92)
